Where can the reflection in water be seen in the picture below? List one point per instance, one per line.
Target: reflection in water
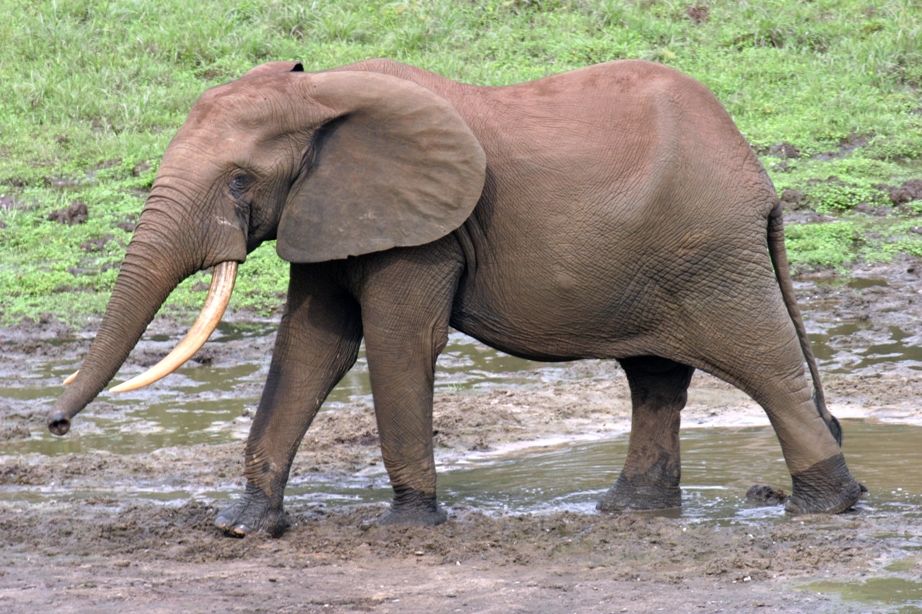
(204, 404)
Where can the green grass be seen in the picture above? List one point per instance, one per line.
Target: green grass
(92, 92)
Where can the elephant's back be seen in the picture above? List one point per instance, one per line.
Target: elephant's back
(607, 131)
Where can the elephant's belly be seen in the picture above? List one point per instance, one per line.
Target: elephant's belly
(555, 318)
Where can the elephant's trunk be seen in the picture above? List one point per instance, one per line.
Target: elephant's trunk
(149, 272)
(222, 285)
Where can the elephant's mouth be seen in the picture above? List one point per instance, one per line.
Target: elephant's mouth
(219, 294)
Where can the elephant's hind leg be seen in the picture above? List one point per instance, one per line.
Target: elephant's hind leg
(753, 345)
(821, 481)
(317, 343)
(650, 477)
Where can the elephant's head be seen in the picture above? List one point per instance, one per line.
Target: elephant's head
(332, 165)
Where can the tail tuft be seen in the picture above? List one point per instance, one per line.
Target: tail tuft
(834, 427)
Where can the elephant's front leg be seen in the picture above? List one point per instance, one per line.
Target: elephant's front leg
(406, 306)
(317, 344)
(650, 477)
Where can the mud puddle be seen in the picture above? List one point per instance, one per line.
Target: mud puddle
(865, 323)
(863, 326)
(718, 466)
(884, 594)
(118, 515)
(572, 432)
(203, 402)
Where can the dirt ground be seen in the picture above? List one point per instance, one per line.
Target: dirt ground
(105, 554)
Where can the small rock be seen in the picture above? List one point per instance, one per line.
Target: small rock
(869, 209)
(784, 150)
(698, 13)
(7, 202)
(95, 245)
(140, 168)
(792, 199)
(203, 358)
(760, 494)
(76, 213)
(910, 190)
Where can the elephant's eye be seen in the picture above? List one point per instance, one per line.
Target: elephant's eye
(238, 184)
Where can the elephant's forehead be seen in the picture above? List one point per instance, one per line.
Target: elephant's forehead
(230, 102)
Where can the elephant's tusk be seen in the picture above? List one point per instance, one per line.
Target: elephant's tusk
(71, 377)
(222, 285)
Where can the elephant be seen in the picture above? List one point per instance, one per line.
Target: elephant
(609, 212)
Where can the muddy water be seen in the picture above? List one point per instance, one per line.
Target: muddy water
(862, 324)
(858, 329)
(146, 467)
(205, 405)
(718, 466)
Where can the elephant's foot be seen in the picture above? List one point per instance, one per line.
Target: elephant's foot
(411, 507)
(251, 513)
(638, 495)
(825, 488)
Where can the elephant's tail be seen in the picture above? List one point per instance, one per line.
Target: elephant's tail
(779, 258)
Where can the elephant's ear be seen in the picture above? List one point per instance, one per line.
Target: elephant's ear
(394, 166)
(274, 67)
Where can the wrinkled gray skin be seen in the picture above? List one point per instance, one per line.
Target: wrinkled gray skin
(609, 212)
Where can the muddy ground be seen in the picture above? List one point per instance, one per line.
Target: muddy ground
(111, 553)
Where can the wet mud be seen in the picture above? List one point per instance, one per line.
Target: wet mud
(118, 514)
